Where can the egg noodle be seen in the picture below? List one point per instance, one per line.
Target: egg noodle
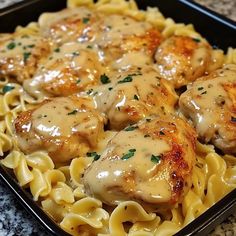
(58, 188)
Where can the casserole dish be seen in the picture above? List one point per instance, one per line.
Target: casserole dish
(204, 223)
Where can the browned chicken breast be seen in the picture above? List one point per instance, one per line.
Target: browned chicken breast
(69, 25)
(65, 127)
(69, 69)
(181, 59)
(20, 55)
(133, 96)
(211, 104)
(125, 42)
(150, 162)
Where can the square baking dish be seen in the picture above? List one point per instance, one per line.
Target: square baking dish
(218, 30)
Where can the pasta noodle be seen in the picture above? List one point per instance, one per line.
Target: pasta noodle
(58, 188)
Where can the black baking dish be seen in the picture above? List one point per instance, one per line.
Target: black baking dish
(218, 30)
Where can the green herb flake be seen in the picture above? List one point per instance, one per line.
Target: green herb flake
(104, 79)
(155, 159)
(85, 20)
(75, 54)
(11, 45)
(26, 55)
(148, 120)
(146, 135)
(78, 81)
(205, 92)
(136, 97)
(7, 88)
(196, 40)
(72, 112)
(161, 133)
(57, 50)
(110, 88)
(126, 80)
(31, 46)
(130, 128)
(128, 155)
(94, 155)
(90, 46)
(200, 88)
(233, 119)
(90, 91)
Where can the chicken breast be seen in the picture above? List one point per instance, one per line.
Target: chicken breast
(133, 96)
(69, 25)
(150, 162)
(182, 59)
(65, 127)
(69, 69)
(125, 42)
(20, 55)
(211, 104)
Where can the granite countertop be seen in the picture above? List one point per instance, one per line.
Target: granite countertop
(15, 221)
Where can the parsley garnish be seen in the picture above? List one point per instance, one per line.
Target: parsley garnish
(200, 88)
(11, 45)
(196, 40)
(7, 88)
(90, 91)
(78, 81)
(85, 20)
(130, 128)
(72, 112)
(146, 135)
(57, 50)
(94, 155)
(26, 56)
(136, 97)
(161, 133)
(129, 154)
(104, 79)
(148, 120)
(205, 92)
(31, 46)
(90, 46)
(110, 88)
(75, 54)
(126, 80)
(233, 119)
(155, 159)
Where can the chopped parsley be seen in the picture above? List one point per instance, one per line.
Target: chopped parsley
(90, 46)
(146, 135)
(205, 92)
(75, 54)
(72, 112)
(90, 91)
(104, 79)
(148, 120)
(196, 40)
(7, 88)
(94, 155)
(110, 88)
(200, 88)
(11, 45)
(128, 155)
(26, 55)
(57, 50)
(78, 81)
(126, 80)
(155, 159)
(233, 119)
(161, 133)
(31, 46)
(136, 97)
(130, 128)
(85, 20)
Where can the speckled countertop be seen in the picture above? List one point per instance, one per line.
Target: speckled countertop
(15, 221)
